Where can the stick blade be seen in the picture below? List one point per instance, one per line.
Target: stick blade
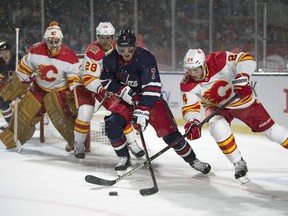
(18, 144)
(148, 191)
(99, 181)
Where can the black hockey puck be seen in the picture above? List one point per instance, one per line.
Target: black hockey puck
(113, 193)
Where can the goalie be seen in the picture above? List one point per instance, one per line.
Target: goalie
(42, 79)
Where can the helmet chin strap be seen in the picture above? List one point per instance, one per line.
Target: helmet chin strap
(204, 71)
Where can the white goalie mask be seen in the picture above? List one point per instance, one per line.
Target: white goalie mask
(53, 38)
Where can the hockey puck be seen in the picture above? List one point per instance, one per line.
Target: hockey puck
(113, 193)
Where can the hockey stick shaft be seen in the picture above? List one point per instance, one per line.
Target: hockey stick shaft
(154, 189)
(18, 144)
(99, 181)
(101, 103)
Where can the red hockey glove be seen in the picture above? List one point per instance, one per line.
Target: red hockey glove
(140, 119)
(192, 130)
(126, 94)
(241, 85)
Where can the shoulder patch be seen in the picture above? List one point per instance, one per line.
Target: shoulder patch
(94, 49)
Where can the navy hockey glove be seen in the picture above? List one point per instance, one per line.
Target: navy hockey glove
(241, 85)
(140, 119)
(126, 94)
(192, 130)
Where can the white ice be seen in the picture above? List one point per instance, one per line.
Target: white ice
(44, 180)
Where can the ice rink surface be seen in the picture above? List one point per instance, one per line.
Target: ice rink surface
(44, 180)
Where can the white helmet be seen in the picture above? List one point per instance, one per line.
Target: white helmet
(53, 30)
(53, 39)
(105, 28)
(194, 58)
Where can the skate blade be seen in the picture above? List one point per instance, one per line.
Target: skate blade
(244, 179)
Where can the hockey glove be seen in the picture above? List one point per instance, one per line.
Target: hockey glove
(192, 130)
(140, 119)
(103, 93)
(241, 85)
(127, 94)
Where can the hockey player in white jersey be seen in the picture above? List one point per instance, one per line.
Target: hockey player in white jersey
(212, 80)
(88, 89)
(43, 79)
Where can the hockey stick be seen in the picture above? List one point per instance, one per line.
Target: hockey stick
(154, 189)
(18, 144)
(99, 181)
(101, 103)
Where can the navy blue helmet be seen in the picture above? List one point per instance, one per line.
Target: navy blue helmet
(126, 38)
(4, 46)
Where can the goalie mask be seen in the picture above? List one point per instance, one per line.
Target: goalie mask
(53, 39)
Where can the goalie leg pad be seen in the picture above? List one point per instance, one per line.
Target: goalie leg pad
(14, 88)
(63, 123)
(28, 109)
(7, 137)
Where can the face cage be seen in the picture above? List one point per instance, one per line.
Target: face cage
(54, 46)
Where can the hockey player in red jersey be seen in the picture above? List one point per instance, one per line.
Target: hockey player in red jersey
(43, 79)
(213, 80)
(131, 73)
(88, 89)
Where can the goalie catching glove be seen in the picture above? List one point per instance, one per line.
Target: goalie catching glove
(126, 94)
(140, 119)
(192, 129)
(241, 85)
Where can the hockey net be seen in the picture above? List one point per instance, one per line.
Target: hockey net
(96, 138)
(97, 129)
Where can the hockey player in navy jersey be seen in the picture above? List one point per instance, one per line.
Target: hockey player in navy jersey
(131, 73)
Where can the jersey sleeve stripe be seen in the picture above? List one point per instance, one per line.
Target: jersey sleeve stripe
(190, 108)
(245, 57)
(24, 69)
(151, 94)
(88, 79)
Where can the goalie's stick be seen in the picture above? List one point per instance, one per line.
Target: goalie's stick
(105, 182)
(18, 144)
(154, 189)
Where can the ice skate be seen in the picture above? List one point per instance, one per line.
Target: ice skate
(241, 170)
(124, 165)
(79, 150)
(135, 149)
(200, 166)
